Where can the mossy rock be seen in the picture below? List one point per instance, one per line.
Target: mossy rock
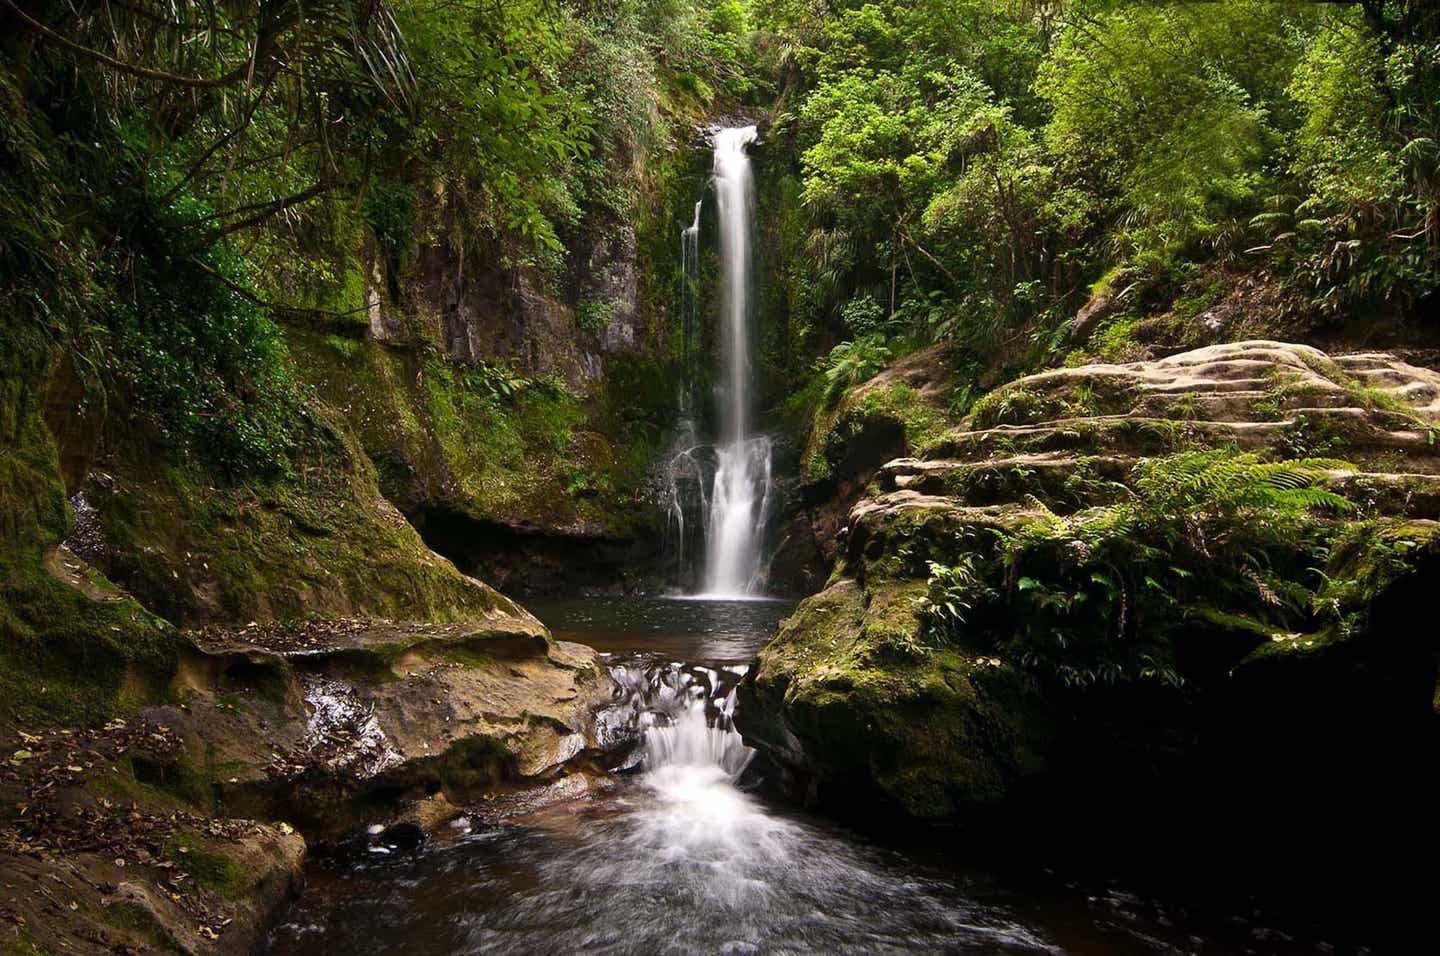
(848, 703)
(489, 444)
(322, 543)
(73, 647)
(901, 410)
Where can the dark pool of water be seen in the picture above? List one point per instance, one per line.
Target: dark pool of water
(680, 859)
(682, 629)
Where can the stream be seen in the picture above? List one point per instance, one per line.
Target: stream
(682, 857)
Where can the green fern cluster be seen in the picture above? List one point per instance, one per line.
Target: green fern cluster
(1097, 596)
(1226, 484)
(851, 363)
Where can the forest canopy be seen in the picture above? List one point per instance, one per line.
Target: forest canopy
(971, 171)
(177, 176)
(974, 170)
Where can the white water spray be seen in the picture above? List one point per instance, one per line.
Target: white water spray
(739, 501)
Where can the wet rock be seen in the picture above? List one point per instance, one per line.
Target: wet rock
(302, 725)
(850, 718)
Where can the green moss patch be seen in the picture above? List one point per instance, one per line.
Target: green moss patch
(207, 869)
(68, 658)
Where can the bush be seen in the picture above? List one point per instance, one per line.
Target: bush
(851, 363)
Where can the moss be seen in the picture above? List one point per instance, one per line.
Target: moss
(494, 445)
(467, 657)
(1368, 560)
(33, 511)
(1016, 405)
(932, 730)
(1295, 645)
(138, 919)
(171, 782)
(866, 425)
(22, 944)
(67, 657)
(1115, 341)
(923, 422)
(208, 870)
(1238, 623)
(324, 542)
(474, 766)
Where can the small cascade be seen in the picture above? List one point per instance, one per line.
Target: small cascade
(682, 714)
(685, 494)
(689, 301)
(686, 481)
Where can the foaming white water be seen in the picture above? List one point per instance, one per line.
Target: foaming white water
(739, 509)
(740, 500)
(690, 739)
(698, 831)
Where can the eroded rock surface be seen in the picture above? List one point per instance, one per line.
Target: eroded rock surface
(294, 730)
(184, 827)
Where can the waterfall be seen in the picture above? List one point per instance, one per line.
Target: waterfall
(739, 499)
(684, 471)
(726, 485)
(689, 300)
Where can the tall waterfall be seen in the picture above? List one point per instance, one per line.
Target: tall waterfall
(739, 499)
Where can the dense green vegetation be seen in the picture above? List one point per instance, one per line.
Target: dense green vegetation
(973, 171)
(227, 235)
(318, 315)
(178, 178)
(234, 238)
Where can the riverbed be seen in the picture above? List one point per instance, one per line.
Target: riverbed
(682, 855)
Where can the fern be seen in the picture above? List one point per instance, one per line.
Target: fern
(1092, 595)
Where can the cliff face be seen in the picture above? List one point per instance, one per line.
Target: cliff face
(514, 409)
(208, 622)
(286, 645)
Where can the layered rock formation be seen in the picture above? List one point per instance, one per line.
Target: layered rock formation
(1084, 662)
(331, 726)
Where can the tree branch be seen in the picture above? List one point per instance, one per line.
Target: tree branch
(266, 210)
(227, 79)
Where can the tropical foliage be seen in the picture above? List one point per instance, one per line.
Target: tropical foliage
(175, 178)
(992, 159)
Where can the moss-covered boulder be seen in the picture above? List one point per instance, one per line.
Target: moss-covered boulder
(851, 710)
(893, 414)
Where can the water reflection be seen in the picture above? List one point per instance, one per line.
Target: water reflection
(682, 629)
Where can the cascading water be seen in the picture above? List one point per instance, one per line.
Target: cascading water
(677, 856)
(684, 474)
(689, 299)
(684, 714)
(737, 505)
(675, 859)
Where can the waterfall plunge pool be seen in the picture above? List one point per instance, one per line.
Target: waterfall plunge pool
(680, 858)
